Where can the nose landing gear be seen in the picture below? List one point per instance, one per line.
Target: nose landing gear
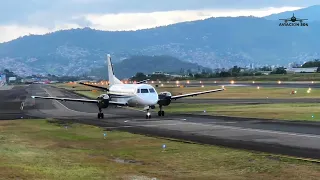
(148, 115)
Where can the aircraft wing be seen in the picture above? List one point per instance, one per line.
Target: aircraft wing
(195, 94)
(79, 100)
(99, 87)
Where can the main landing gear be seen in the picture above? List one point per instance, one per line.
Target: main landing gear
(161, 112)
(100, 114)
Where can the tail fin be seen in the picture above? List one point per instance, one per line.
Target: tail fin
(112, 78)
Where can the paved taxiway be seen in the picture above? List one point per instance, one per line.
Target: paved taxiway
(270, 136)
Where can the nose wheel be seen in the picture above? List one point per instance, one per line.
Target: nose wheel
(161, 112)
(100, 114)
(148, 115)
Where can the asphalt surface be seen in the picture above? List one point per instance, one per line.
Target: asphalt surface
(262, 84)
(11, 100)
(248, 101)
(290, 138)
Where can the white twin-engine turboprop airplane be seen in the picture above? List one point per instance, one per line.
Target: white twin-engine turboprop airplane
(132, 95)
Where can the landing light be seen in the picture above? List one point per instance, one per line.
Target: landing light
(279, 82)
(253, 82)
(177, 82)
(200, 81)
(232, 82)
(312, 82)
(162, 85)
(215, 81)
(188, 82)
(152, 82)
(258, 87)
(202, 86)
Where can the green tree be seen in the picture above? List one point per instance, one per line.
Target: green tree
(279, 70)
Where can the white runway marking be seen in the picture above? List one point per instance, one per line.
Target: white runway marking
(221, 126)
(60, 102)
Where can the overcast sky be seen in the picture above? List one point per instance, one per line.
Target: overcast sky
(22, 17)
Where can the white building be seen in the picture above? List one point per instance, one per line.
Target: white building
(302, 70)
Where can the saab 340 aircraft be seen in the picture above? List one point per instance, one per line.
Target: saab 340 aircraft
(131, 95)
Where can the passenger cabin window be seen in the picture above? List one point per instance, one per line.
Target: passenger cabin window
(138, 90)
(144, 91)
(151, 90)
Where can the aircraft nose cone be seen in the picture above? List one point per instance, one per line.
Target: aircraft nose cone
(151, 100)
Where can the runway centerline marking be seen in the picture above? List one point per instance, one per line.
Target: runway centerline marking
(60, 102)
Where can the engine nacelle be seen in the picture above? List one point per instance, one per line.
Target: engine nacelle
(164, 98)
(103, 101)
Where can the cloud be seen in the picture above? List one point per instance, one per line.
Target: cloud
(10, 32)
(23, 17)
(134, 21)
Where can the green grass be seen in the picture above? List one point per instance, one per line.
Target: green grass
(296, 111)
(245, 92)
(37, 149)
(275, 77)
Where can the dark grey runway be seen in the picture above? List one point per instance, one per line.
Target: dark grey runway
(11, 100)
(283, 84)
(248, 101)
(298, 139)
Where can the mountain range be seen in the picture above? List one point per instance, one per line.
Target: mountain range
(213, 43)
(148, 64)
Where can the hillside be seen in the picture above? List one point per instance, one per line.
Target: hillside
(146, 64)
(214, 43)
(311, 13)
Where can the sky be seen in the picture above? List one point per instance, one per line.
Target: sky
(23, 17)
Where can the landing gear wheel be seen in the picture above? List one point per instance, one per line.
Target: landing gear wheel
(100, 115)
(160, 113)
(148, 116)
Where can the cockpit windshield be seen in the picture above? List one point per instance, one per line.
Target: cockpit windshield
(144, 91)
(151, 90)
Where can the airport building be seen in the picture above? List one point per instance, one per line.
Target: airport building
(302, 70)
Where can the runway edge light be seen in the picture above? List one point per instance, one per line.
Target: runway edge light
(164, 147)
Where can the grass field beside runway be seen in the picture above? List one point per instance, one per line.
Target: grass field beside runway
(229, 93)
(41, 149)
(296, 111)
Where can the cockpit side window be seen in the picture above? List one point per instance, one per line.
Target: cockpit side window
(144, 91)
(138, 90)
(152, 90)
